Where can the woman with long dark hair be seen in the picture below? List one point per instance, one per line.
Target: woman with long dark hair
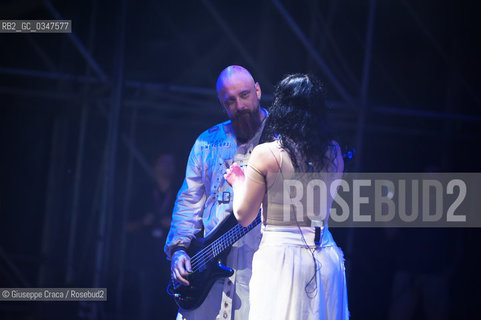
(298, 271)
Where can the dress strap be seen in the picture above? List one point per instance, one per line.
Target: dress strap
(278, 164)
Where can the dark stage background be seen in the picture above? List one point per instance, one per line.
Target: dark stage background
(84, 116)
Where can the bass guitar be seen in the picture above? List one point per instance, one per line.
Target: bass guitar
(207, 257)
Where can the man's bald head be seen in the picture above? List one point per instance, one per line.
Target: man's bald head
(230, 73)
(240, 96)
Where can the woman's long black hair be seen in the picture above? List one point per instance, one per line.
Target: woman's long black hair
(298, 119)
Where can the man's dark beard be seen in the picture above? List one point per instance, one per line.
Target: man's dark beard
(245, 124)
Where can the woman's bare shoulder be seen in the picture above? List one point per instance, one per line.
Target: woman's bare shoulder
(265, 156)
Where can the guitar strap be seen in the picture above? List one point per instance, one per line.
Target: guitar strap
(229, 283)
(229, 287)
(227, 293)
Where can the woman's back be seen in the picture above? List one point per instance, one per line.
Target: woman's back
(280, 179)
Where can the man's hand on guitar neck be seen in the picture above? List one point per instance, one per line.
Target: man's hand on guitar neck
(180, 267)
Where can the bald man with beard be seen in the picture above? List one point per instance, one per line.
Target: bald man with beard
(205, 198)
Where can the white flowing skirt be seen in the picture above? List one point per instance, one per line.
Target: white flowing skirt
(283, 285)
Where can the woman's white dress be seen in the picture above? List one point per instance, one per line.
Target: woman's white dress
(282, 269)
(286, 283)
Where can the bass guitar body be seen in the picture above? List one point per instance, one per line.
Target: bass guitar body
(208, 258)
